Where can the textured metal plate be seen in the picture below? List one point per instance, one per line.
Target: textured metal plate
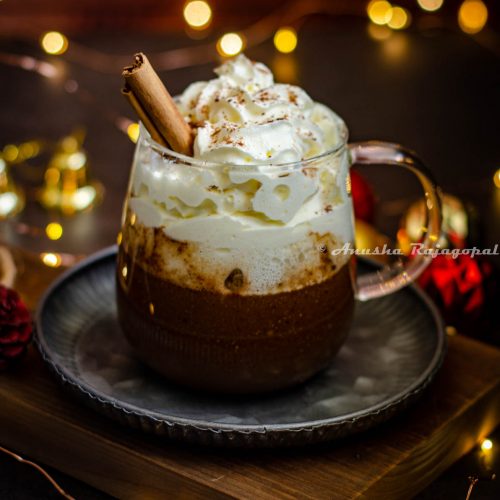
(395, 347)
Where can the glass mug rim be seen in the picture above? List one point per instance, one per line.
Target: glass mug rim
(190, 161)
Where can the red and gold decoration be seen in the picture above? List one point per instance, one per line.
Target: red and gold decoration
(464, 286)
(15, 328)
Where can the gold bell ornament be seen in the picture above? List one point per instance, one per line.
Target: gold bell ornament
(67, 187)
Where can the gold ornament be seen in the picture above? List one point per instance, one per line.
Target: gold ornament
(455, 228)
(66, 181)
(368, 238)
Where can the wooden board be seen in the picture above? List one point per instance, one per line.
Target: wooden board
(39, 419)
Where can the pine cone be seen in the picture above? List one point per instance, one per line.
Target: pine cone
(15, 327)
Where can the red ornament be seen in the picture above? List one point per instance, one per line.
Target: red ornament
(362, 197)
(15, 327)
(465, 290)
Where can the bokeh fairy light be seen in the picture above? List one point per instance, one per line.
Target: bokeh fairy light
(230, 44)
(197, 14)
(54, 43)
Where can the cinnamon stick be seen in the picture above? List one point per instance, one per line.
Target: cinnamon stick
(143, 116)
(157, 104)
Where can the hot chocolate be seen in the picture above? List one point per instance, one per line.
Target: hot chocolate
(226, 277)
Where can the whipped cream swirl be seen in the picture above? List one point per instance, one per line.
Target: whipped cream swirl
(243, 117)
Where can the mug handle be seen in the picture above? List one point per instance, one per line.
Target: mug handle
(393, 277)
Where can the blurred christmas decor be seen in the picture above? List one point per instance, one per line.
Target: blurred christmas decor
(459, 225)
(363, 197)
(15, 327)
(8, 269)
(11, 195)
(464, 286)
(67, 187)
(367, 237)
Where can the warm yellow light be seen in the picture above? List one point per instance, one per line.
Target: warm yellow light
(84, 197)
(54, 230)
(496, 178)
(400, 18)
(472, 16)
(486, 445)
(197, 14)
(451, 331)
(119, 238)
(54, 43)
(430, 5)
(379, 11)
(29, 149)
(133, 132)
(51, 259)
(124, 271)
(285, 40)
(10, 153)
(76, 161)
(230, 44)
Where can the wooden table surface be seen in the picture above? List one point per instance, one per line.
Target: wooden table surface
(396, 460)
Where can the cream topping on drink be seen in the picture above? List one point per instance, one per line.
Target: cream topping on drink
(236, 205)
(244, 117)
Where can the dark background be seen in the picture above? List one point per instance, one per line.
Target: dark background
(430, 87)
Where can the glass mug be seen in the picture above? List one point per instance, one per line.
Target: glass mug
(232, 278)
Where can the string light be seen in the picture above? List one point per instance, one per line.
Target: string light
(51, 259)
(230, 44)
(285, 40)
(379, 12)
(54, 230)
(133, 132)
(10, 153)
(486, 445)
(472, 16)
(76, 161)
(430, 5)
(197, 14)
(400, 18)
(451, 331)
(54, 43)
(496, 178)
(10, 204)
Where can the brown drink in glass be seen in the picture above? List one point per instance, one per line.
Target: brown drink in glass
(231, 271)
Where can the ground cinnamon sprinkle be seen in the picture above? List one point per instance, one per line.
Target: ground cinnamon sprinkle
(292, 96)
(205, 110)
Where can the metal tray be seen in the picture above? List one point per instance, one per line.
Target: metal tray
(395, 348)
